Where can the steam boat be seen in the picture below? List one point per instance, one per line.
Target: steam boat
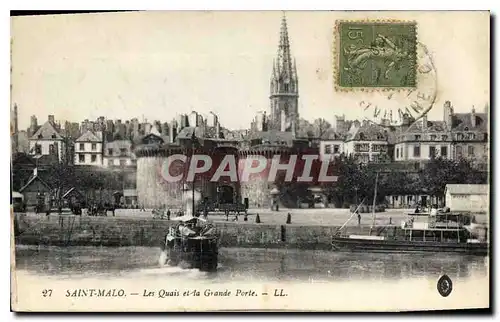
(191, 243)
(442, 232)
(422, 232)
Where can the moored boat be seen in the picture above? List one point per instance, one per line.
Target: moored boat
(443, 232)
(191, 243)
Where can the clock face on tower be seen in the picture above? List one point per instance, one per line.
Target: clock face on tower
(390, 108)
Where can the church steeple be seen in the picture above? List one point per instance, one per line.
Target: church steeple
(284, 85)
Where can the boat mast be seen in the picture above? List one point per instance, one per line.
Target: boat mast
(374, 201)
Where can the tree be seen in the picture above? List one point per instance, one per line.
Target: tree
(320, 127)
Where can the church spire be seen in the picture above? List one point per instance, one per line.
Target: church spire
(284, 56)
(284, 85)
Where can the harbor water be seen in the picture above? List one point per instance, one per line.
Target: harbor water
(358, 274)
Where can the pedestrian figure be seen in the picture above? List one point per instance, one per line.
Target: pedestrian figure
(390, 220)
(289, 218)
(257, 219)
(168, 214)
(245, 217)
(359, 219)
(227, 215)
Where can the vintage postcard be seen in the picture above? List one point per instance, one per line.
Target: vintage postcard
(250, 161)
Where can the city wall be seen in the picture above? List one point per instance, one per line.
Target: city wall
(109, 231)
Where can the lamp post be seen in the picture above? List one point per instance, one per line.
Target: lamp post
(194, 144)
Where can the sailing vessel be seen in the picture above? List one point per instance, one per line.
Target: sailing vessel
(433, 232)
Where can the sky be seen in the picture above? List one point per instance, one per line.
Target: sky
(155, 65)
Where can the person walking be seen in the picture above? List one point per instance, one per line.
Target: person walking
(359, 219)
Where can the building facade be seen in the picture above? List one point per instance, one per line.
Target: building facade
(47, 140)
(88, 149)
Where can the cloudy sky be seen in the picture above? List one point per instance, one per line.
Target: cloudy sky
(158, 64)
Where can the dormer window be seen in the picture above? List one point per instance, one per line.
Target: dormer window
(433, 137)
(417, 137)
(40, 136)
(466, 129)
(361, 136)
(54, 136)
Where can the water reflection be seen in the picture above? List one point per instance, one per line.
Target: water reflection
(250, 264)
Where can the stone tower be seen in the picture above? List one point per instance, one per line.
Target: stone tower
(284, 87)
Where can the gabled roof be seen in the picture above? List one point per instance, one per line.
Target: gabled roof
(187, 132)
(464, 120)
(32, 180)
(467, 189)
(367, 132)
(46, 131)
(88, 136)
(70, 191)
(432, 126)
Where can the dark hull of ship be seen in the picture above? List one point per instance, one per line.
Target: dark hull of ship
(398, 246)
(199, 254)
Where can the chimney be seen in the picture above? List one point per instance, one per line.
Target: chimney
(448, 114)
(51, 119)
(473, 117)
(424, 122)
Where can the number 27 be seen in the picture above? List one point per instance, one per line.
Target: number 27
(47, 293)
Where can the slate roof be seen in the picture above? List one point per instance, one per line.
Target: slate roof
(46, 132)
(89, 136)
(432, 126)
(467, 189)
(367, 132)
(464, 120)
(33, 178)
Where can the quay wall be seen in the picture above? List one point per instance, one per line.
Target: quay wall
(108, 231)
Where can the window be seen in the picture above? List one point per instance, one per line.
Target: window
(287, 86)
(54, 136)
(38, 149)
(433, 137)
(93, 158)
(336, 148)
(94, 146)
(417, 137)
(472, 136)
(82, 146)
(40, 136)
(123, 151)
(466, 129)
(444, 137)
(81, 158)
(444, 151)
(460, 136)
(110, 151)
(397, 153)
(110, 162)
(416, 151)
(471, 150)
(122, 163)
(361, 136)
(458, 151)
(432, 151)
(52, 150)
(328, 149)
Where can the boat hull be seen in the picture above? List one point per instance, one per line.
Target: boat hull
(199, 254)
(399, 246)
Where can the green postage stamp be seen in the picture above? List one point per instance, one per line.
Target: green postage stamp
(375, 54)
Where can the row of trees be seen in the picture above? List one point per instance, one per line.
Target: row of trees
(357, 181)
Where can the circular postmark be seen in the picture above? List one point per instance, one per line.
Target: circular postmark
(444, 285)
(391, 107)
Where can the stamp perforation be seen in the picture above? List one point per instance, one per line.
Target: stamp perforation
(336, 55)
